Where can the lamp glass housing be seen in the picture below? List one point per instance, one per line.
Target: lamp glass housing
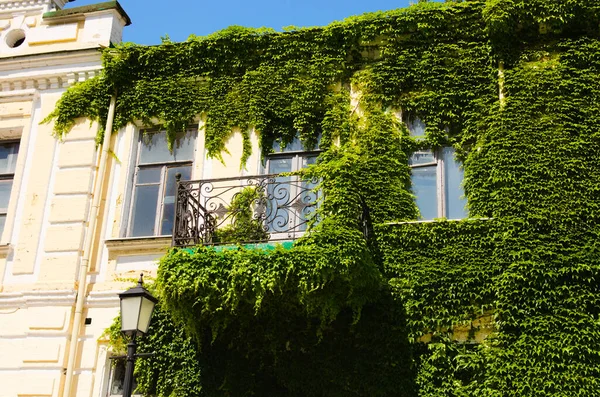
(137, 306)
(145, 315)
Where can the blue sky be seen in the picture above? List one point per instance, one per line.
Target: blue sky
(152, 19)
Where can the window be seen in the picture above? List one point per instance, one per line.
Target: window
(436, 180)
(294, 199)
(8, 162)
(154, 185)
(117, 378)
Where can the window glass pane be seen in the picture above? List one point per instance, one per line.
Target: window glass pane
(416, 128)
(294, 146)
(4, 158)
(308, 200)
(2, 222)
(454, 194)
(278, 165)
(149, 175)
(290, 204)
(144, 210)
(118, 378)
(154, 149)
(5, 188)
(308, 160)
(421, 157)
(8, 157)
(279, 194)
(424, 186)
(168, 215)
(309, 197)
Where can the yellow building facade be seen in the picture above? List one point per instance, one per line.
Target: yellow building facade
(46, 187)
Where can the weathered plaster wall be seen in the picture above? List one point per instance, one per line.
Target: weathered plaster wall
(49, 207)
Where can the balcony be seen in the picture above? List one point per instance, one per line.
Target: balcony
(245, 209)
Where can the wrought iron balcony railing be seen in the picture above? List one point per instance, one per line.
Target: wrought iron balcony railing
(243, 209)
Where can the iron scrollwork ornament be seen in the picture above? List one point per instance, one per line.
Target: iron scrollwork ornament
(245, 209)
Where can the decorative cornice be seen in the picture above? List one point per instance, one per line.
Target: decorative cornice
(23, 5)
(27, 63)
(41, 72)
(47, 82)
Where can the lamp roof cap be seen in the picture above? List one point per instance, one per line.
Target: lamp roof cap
(138, 290)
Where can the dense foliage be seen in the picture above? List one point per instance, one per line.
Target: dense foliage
(243, 225)
(513, 85)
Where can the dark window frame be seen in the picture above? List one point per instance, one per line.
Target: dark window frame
(417, 128)
(162, 183)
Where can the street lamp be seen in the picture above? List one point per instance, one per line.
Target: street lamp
(137, 305)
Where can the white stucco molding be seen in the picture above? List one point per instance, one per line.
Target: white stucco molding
(103, 299)
(37, 298)
(18, 95)
(133, 245)
(27, 299)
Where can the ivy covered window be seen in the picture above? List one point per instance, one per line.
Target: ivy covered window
(8, 163)
(436, 180)
(292, 157)
(154, 186)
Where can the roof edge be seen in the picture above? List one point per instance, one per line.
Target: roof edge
(107, 5)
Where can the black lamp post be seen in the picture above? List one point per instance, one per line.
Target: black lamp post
(137, 305)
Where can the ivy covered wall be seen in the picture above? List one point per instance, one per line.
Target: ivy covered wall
(513, 85)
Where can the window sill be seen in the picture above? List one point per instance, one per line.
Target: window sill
(138, 244)
(437, 220)
(5, 250)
